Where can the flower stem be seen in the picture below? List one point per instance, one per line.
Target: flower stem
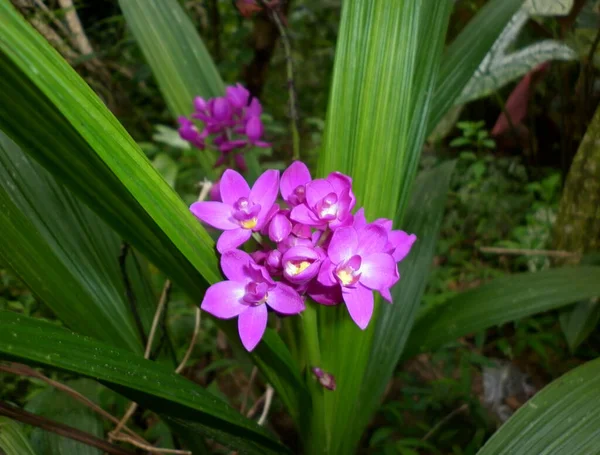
(290, 79)
(311, 334)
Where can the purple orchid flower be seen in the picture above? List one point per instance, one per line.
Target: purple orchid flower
(328, 203)
(189, 132)
(399, 242)
(301, 264)
(293, 183)
(247, 294)
(356, 264)
(280, 227)
(242, 211)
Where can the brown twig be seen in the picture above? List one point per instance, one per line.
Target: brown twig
(161, 304)
(275, 16)
(148, 447)
(255, 406)
(190, 348)
(63, 430)
(24, 370)
(526, 252)
(268, 400)
(80, 39)
(247, 390)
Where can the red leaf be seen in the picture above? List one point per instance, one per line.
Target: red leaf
(518, 101)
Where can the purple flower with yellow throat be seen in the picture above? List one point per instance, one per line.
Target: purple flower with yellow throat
(356, 264)
(243, 210)
(247, 295)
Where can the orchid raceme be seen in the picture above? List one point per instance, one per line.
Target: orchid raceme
(314, 248)
(232, 125)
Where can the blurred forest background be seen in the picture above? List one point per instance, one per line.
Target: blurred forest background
(528, 178)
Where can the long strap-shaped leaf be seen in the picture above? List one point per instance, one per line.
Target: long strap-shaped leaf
(65, 253)
(12, 439)
(464, 55)
(562, 418)
(502, 300)
(55, 117)
(372, 104)
(179, 60)
(423, 217)
(148, 383)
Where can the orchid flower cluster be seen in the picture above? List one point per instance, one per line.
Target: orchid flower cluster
(232, 122)
(309, 245)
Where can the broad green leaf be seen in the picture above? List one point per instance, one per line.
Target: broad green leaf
(386, 59)
(394, 322)
(60, 407)
(179, 60)
(167, 167)
(65, 253)
(55, 117)
(12, 439)
(548, 7)
(498, 68)
(579, 322)
(502, 300)
(562, 418)
(152, 385)
(466, 53)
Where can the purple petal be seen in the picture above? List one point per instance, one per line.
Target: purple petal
(359, 218)
(343, 244)
(325, 276)
(371, 239)
(385, 293)
(379, 271)
(200, 103)
(255, 109)
(233, 186)
(279, 228)
(342, 182)
(264, 192)
(237, 95)
(230, 240)
(221, 109)
(224, 299)
(215, 192)
(234, 264)
(359, 301)
(285, 300)
(295, 175)
(384, 223)
(317, 190)
(325, 295)
(216, 214)
(302, 214)
(252, 324)
(254, 128)
(402, 242)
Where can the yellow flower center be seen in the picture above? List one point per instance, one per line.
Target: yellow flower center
(294, 268)
(249, 224)
(346, 277)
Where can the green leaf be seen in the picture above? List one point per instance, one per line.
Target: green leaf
(151, 385)
(499, 68)
(65, 253)
(387, 57)
(394, 322)
(467, 51)
(12, 439)
(561, 418)
(179, 60)
(60, 407)
(548, 7)
(167, 167)
(502, 300)
(579, 322)
(55, 117)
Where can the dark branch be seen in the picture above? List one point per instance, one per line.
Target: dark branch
(63, 430)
